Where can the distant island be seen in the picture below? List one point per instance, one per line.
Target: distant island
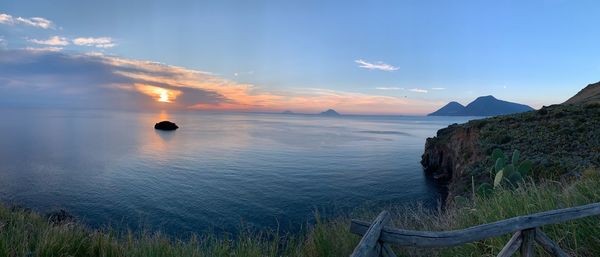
(482, 106)
(330, 112)
(287, 112)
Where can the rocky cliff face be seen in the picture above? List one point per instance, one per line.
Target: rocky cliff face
(449, 155)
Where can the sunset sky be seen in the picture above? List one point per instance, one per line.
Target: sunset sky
(362, 57)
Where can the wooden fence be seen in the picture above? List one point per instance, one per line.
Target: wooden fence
(377, 236)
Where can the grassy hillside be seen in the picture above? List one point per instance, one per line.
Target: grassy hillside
(590, 94)
(562, 141)
(24, 233)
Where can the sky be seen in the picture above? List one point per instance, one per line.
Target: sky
(361, 57)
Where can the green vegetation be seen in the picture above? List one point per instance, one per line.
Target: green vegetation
(561, 141)
(24, 233)
(503, 172)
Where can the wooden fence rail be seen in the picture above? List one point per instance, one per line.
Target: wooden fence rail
(377, 236)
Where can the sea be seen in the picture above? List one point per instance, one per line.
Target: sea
(217, 172)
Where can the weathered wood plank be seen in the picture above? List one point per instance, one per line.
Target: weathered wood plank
(376, 252)
(512, 246)
(369, 244)
(527, 247)
(386, 251)
(550, 246)
(477, 233)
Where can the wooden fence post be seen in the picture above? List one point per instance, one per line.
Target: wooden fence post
(549, 245)
(369, 245)
(512, 246)
(527, 247)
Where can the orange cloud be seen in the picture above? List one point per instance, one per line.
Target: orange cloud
(171, 82)
(347, 102)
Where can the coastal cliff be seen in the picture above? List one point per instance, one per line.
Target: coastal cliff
(562, 141)
(450, 154)
(452, 150)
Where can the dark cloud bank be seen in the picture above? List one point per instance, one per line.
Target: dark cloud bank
(31, 78)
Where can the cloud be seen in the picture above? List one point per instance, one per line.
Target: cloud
(52, 41)
(37, 78)
(418, 90)
(38, 22)
(375, 66)
(389, 88)
(44, 49)
(237, 74)
(100, 42)
(6, 19)
(317, 100)
(34, 77)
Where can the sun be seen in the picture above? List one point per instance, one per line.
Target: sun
(159, 94)
(163, 96)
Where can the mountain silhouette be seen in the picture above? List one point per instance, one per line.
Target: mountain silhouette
(482, 106)
(330, 112)
(450, 109)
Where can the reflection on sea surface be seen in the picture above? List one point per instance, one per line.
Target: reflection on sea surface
(215, 171)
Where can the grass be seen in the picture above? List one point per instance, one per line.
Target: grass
(24, 233)
(579, 237)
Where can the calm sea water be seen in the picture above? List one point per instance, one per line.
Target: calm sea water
(216, 172)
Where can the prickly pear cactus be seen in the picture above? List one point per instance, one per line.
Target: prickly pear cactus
(512, 173)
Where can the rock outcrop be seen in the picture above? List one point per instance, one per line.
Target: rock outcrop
(448, 156)
(166, 125)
